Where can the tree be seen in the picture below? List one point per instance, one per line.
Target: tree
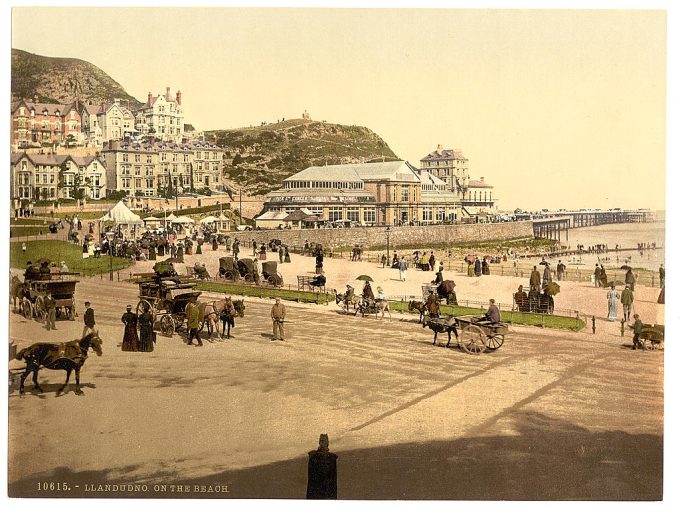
(70, 140)
(237, 160)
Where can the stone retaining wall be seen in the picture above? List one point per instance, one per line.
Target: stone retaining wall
(375, 236)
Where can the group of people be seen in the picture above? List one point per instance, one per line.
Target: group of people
(132, 341)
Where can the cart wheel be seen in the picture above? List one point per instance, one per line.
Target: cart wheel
(272, 280)
(229, 275)
(140, 307)
(27, 309)
(473, 339)
(248, 277)
(40, 311)
(167, 325)
(494, 342)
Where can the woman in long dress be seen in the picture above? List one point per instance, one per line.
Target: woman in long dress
(130, 339)
(146, 331)
(612, 301)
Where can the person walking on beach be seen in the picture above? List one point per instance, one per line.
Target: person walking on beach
(612, 301)
(403, 266)
(596, 275)
(88, 319)
(193, 322)
(630, 279)
(51, 309)
(278, 317)
(432, 261)
(535, 280)
(547, 275)
(146, 334)
(478, 267)
(560, 269)
(130, 338)
(627, 301)
(604, 282)
(383, 260)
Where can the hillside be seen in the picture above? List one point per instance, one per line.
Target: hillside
(259, 158)
(62, 80)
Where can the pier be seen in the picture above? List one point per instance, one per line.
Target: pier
(549, 225)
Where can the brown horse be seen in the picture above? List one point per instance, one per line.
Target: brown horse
(209, 313)
(66, 356)
(16, 290)
(354, 301)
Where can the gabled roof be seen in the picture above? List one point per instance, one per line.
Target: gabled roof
(301, 215)
(40, 159)
(272, 215)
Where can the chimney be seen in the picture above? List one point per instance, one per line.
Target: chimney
(149, 98)
(167, 93)
(35, 98)
(179, 98)
(439, 148)
(481, 179)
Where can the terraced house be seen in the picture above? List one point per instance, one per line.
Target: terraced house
(162, 168)
(36, 177)
(392, 193)
(35, 124)
(161, 117)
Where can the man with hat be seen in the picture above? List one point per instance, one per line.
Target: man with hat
(51, 309)
(637, 330)
(193, 323)
(278, 317)
(88, 318)
(493, 315)
(627, 301)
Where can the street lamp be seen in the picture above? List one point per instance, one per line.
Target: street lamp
(387, 233)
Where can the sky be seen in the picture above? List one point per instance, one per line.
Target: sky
(555, 109)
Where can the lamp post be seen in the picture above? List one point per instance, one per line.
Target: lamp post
(240, 206)
(387, 233)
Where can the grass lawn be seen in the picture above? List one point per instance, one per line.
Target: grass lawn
(28, 231)
(264, 292)
(513, 317)
(30, 221)
(62, 251)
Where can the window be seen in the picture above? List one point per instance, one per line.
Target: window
(138, 170)
(404, 193)
(427, 214)
(369, 215)
(125, 158)
(334, 213)
(137, 158)
(353, 214)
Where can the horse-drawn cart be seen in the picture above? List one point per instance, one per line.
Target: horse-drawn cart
(271, 274)
(61, 286)
(479, 335)
(476, 335)
(166, 295)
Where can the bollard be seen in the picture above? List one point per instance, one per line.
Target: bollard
(622, 327)
(322, 473)
(593, 319)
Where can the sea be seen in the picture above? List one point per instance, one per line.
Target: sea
(626, 236)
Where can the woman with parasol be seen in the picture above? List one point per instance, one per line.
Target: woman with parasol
(367, 292)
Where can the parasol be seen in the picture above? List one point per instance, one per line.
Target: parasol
(552, 288)
(544, 262)
(488, 258)
(364, 278)
(470, 258)
(625, 267)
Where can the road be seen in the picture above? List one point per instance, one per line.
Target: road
(551, 415)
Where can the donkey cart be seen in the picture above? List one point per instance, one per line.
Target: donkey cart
(477, 335)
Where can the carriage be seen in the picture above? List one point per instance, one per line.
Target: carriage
(246, 270)
(270, 274)
(652, 336)
(228, 269)
(476, 335)
(62, 287)
(167, 296)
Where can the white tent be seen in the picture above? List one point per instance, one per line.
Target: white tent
(121, 214)
(171, 217)
(208, 219)
(183, 220)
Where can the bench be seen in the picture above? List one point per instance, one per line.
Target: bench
(304, 283)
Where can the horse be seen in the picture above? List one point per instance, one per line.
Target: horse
(415, 305)
(445, 290)
(440, 325)
(66, 356)
(210, 313)
(16, 290)
(354, 300)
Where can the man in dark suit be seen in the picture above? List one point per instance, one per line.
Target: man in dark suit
(88, 318)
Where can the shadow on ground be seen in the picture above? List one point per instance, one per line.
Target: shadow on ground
(544, 459)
